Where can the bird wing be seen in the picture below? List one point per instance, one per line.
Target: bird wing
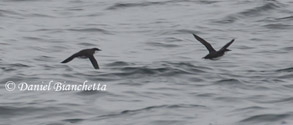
(226, 46)
(70, 58)
(205, 43)
(94, 62)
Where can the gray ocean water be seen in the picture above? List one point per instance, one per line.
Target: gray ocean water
(150, 62)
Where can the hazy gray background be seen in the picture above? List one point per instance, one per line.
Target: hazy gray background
(151, 63)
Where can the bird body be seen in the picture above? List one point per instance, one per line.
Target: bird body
(86, 53)
(212, 52)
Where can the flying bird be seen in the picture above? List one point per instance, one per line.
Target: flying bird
(212, 52)
(86, 53)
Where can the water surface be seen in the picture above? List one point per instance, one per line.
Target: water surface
(150, 62)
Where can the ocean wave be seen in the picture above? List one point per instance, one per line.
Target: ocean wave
(152, 3)
(162, 107)
(13, 67)
(73, 120)
(144, 70)
(33, 38)
(253, 12)
(119, 64)
(250, 108)
(150, 108)
(290, 69)
(282, 100)
(266, 118)
(175, 32)
(128, 5)
(96, 93)
(278, 26)
(230, 82)
(53, 30)
(287, 18)
(9, 111)
(87, 44)
(163, 69)
(44, 59)
(169, 42)
(89, 30)
(256, 11)
(9, 13)
(288, 48)
(56, 30)
(41, 15)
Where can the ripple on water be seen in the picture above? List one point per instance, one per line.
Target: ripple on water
(88, 44)
(269, 5)
(130, 5)
(287, 18)
(162, 44)
(119, 64)
(169, 42)
(99, 30)
(278, 26)
(249, 109)
(95, 92)
(73, 120)
(159, 69)
(285, 73)
(290, 69)
(151, 108)
(13, 67)
(12, 111)
(121, 5)
(9, 13)
(230, 82)
(253, 12)
(266, 118)
(171, 107)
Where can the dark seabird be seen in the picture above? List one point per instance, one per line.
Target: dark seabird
(86, 53)
(212, 52)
